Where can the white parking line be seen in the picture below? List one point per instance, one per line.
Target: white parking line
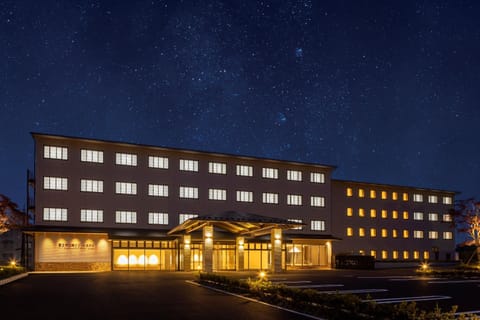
(454, 281)
(317, 286)
(303, 281)
(354, 291)
(407, 299)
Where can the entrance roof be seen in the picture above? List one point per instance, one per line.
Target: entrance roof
(240, 223)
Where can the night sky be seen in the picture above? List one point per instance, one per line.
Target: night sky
(387, 91)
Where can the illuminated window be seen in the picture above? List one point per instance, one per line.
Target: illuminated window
(394, 195)
(294, 199)
(405, 215)
(55, 183)
(373, 194)
(52, 152)
(384, 254)
(217, 194)
(270, 173)
(432, 199)
(405, 234)
(418, 234)
(317, 225)
(188, 192)
(373, 213)
(125, 188)
(349, 212)
(447, 200)
(446, 217)
(373, 253)
(349, 192)
(188, 165)
(418, 215)
(87, 185)
(244, 196)
(361, 212)
(394, 214)
(394, 233)
(158, 218)
(416, 255)
(417, 197)
(294, 175)
(447, 235)
(433, 216)
(384, 195)
(361, 232)
(158, 190)
(384, 233)
(426, 255)
(244, 170)
(317, 201)
(297, 221)
(270, 197)
(432, 234)
(158, 162)
(384, 214)
(182, 217)
(405, 196)
(125, 217)
(349, 231)
(361, 193)
(317, 177)
(361, 252)
(405, 255)
(217, 167)
(90, 215)
(373, 232)
(126, 159)
(395, 254)
(55, 214)
(91, 156)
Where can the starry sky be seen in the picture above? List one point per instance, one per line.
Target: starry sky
(387, 91)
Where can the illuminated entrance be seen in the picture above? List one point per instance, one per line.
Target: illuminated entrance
(144, 255)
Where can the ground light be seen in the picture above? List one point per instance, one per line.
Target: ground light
(262, 275)
(13, 263)
(424, 266)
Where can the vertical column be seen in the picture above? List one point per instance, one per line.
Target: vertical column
(240, 254)
(187, 253)
(276, 240)
(329, 253)
(208, 249)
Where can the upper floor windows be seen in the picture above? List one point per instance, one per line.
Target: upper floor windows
(182, 217)
(417, 197)
(349, 192)
(126, 159)
(157, 162)
(53, 152)
(447, 217)
(158, 218)
(90, 215)
(394, 195)
(447, 200)
(55, 214)
(125, 188)
(418, 234)
(361, 193)
(91, 156)
(433, 216)
(87, 185)
(432, 199)
(294, 175)
(55, 183)
(418, 215)
(373, 194)
(125, 217)
(317, 201)
(317, 177)
(188, 192)
(188, 165)
(217, 167)
(447, 235)
(384, 195)
(270, 173)
(405, 196)
(217, 194)
(158, 190)
(317, 225)
(270, 197)
(294, 199)
(244, 196)
(373, 213)
(244, 170)
(432, 234)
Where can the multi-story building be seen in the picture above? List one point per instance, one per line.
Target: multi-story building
(105, 205)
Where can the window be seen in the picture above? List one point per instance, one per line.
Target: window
(55, 183)
(188, 192)
(418, 215)
(405, 255)
(294, 199)
(447, 200)
(416, 255)
(296, 221)
(349, 192)
(432, 199)
(158, 218)
(361, 193)
(447, 235)
(405, 215)
(373, 232)
(349, 212)
(87, 185)
(394, 214)
(244, 170)
(418, 234)
(417, 197)
(432, 234)
(405, 196)
(91, 215)
(158, 190)
(125, 188)
(384, 195)
(394, 195)
(157, 162)
(269, 197)
(217, 194)
(394, 233)
(349, 231)
(54, 214)
(317, 177)
(188, 165)
(384, 254)
(426, 255)
(361, 212)
(317, 225)
(270, 173)
(52, 152)
(373, 253)
(384, 233)
(395, 254)
(361, 232)
(294, 175)
(182, 217)
(405, 233)
(125, 217)
(317, 201)
(373, 194)
(126, 159)
(433, 216)
(384, 214)
(217, 167)
(91, 156)
(447, 217)
(244, 196)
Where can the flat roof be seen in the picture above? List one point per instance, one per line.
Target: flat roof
(393, 185)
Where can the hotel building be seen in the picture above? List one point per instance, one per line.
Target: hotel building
(105, 205)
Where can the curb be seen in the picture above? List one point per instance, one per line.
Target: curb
(13, 278)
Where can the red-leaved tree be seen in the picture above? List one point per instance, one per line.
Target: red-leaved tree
(10, 216)
(466, 217)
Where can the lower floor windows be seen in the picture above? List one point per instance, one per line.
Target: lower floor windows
(182, 217)
(125, 217)
(91, 215)
(157, 218)
(55, 214)
(318, 225)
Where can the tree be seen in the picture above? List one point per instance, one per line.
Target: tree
(466, 218)
(10, 216)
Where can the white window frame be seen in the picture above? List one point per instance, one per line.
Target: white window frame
(128, 217)
(157, 162)
(447, 235)
(55, 183)
(217, 194)
(317, 225)
(418, 234)
(182, 217)
(417, 215)
(125, 188)
(433, 216)
(55, 214)
(432, 234)
(317, 201)
(158, 190)
(294, 175)
(270, 173)
(188, 192)
(126, 159)
(90, 185)
(447, 200)
(88, 155)
(432, 198)
(446, 217)
(188, 165)
(317, 177)
(417, 197)
(294, 199)
(270, 197)
(217, 167)
(244, 170)
(55, 152)
(91, 215)
(244, 196)
(158, 218)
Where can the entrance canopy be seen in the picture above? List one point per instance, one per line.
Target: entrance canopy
(241, 223)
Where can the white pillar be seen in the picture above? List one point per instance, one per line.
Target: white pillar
(276, 241)
(208, 249)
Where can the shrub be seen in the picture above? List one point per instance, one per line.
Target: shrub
(8, 271)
